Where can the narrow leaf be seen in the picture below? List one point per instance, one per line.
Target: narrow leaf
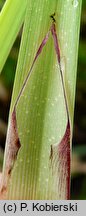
(11, 20)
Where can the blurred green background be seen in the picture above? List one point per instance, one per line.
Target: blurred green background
(78, 182)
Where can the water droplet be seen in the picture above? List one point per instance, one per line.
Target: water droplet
(38, 114)
(35, 98)
(65, 33)
(43, 101)
(43, 156)
(52, 104)
(33, 141)
(28, 131)
(29, 189)
(49, 114)
(28, 161)
(16, 166)
(66, 44)
(56, 99)
(69, 82)
(45, 77)
(30, 29)
(21, 160)
(36, 10)
(49, 140)
(37, 104)
(26, 111)
(70, 30)
(75, 3)
(63, 63)
(71, 51)
(68, 59)
(34, 87)
(61, 13)
(53, 138)
(56, 65)
(45, 167)
(59, 96)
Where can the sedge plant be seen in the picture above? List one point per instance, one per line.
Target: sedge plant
(37, 157)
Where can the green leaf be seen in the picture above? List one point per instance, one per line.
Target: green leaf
(11, 20)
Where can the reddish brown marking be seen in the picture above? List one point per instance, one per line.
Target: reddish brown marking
(53, 30)
(18, 144)
(14, 121)
(9, 171)
(41, 46)
(60, 162)
(51, 153)
(3, 189)
(64, 157)
(13, 146)
(62, 152)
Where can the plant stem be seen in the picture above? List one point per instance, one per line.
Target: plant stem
(41, 112)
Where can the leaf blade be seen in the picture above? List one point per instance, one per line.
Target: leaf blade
(10, 26)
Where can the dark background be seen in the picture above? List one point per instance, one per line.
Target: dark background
(78, 182)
